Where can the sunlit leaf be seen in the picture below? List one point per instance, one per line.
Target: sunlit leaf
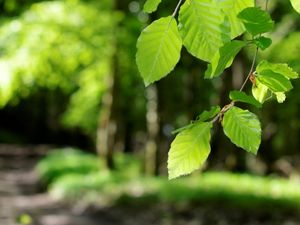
(240, 96)
(158, 49)
(280, 68)
(260, 92)
(256, 20)
(151, 5)
(296, 5)
(280, 96)
(224, 58)
(242, 128)
(189, 150)
(232, 8)
(204, 28)
(274, 81)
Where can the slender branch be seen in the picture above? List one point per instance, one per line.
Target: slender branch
(254, 58)
(251, 69)
(177, 8)
(231, 104)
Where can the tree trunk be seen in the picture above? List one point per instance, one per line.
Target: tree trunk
(153, 131)
(107, 126)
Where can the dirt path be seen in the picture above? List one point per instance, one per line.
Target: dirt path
(20, 191)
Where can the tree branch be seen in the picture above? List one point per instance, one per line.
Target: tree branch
(177, 8)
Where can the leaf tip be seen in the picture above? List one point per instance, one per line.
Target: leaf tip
(147, 83)
(174, 175)
(170, 177)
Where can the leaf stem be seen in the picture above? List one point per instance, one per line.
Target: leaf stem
(254, 58)
(177, 8)
(251, 69)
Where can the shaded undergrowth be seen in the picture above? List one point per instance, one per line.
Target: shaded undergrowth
(76, 176)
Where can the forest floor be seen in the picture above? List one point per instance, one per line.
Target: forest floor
(21, 196)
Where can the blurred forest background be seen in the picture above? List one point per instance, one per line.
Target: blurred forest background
(68, 78)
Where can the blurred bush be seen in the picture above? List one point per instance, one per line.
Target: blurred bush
(77, 176)
(67, 161)
(58, 46)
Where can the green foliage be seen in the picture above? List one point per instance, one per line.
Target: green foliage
(287, 51)
(203, 27)
(242, 128)
(256, 20)
(74, 55)
(203, 117)
(296, 5)
(239, 96)
(151, 5)
(274, 81)
(62, 161)
(273, 78)
(206, 25)
(262, 42)
(106, 187)
(24, 219)
(129, 164)
(158, 49)
(85, 187)
(260, 92)
(279, 68)
(280, 96)
(207, 115)
(74, 162)
(224, 58)
(189, 150)
(232, 8)
(207, 29)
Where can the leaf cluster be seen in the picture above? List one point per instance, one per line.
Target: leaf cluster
(209, 29)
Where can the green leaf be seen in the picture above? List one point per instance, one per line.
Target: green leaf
(263, 42)
(280, 68)
(242, 128)
(204, 28)
(273, 76)
(158, 49)
(296, 5)
(189, 150)
(151, 5)
(203, 117)
(240, 96)
(260, 92)
(256, 20)
(206, 115)
(274, 81)
(232, 8)
(224, 58)
(280, 96)
(183, 128)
